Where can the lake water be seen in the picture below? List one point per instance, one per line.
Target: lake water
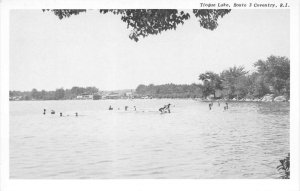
(192, 141)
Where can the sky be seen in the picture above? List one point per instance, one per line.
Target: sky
(92, 49)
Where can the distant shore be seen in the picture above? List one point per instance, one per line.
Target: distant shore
(266, 98)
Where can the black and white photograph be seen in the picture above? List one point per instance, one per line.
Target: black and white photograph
(199, 93)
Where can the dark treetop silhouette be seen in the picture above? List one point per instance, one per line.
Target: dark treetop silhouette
(144, 22)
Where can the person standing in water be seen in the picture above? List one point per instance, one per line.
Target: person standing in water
(76, 114)
(126, 107)
(134, 108)
(226, 106)
(165, 109)
(44, 112)
(210, 105)
(60, 114)
(168, 108)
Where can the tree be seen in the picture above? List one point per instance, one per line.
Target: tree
(287, 87)
(59, 94)
(77, 91)
(258, 86)
(276, 73)
(284, 167)
(91, 90)
(231, 79)
(43, 94)
(211, 82)
(243, 86)
(141, 89)
(35, 94)
(144, 22)
(170, 91)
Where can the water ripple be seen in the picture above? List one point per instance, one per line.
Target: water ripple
(191, 142)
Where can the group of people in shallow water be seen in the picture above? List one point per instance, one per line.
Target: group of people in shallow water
(211, 104)
(126, 108)
(52, 112)
(164, 109)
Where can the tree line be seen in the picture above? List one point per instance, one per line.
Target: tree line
(170, 91)
(58, 94)
(270, 76)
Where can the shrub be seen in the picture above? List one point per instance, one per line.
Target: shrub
(284, 167)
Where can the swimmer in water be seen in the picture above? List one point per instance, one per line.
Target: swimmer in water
(161, 109)
(110, 108)
(52, 112)
(210, 105)
(165, 109)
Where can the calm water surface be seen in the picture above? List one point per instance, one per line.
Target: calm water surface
(192, 142)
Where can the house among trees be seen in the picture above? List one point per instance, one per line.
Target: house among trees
(85, 96)
(128, 95)
(15, 98)
(112, 95)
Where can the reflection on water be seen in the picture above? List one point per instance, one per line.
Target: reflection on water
(245, 141)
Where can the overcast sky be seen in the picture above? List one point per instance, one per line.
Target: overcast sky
(92, 49)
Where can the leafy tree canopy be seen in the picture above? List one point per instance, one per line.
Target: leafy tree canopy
(144, 22)
(211, 82)
(276, 72)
